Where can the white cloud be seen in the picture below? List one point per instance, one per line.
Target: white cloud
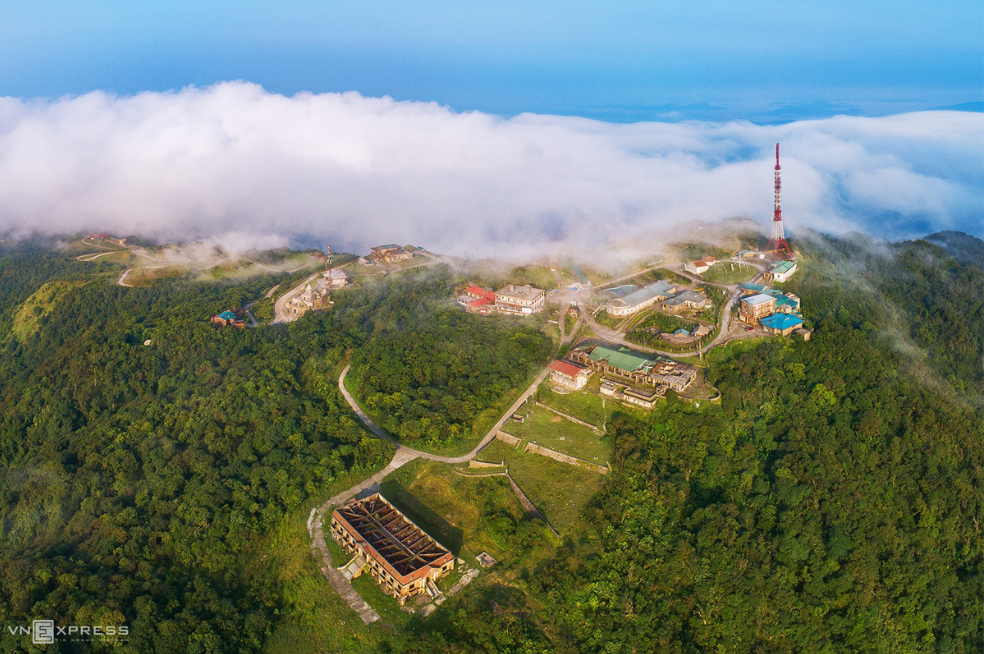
(355, 171)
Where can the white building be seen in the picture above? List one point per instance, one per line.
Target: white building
(524, 299)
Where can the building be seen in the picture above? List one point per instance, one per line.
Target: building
(702, 331)
(782, 271)
(782, 324)
(641, 397)
(515, 299)
(336, 278)
(700, 266)
(785, 302)
(390, 253)
(752, 289)
(640, 299)
(569, 374)
(686, 300)
(230, 319)
(397, 553)
(310, 298)
(638, 368)
(755, 307)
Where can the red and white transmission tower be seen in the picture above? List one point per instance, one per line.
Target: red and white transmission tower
(778, 247)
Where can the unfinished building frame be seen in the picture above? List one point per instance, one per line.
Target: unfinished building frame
(397, 553)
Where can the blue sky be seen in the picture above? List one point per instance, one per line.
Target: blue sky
(620, 60)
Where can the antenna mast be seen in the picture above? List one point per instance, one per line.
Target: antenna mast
(778, 247)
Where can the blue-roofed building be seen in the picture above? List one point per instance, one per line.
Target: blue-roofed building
(781, 323)
(752, 289)
(640, 299)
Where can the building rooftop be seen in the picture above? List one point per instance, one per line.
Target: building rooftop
(686, 296)
(761, 298)
(621, 357)
(227, 315)
(782, 321)
(390, 538)
(388, 246)
(656, 289)
(566, 368)
(753, 287)
(525, 291)
(783, 267)
(478, 291)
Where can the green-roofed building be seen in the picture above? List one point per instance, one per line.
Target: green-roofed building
(626, 363)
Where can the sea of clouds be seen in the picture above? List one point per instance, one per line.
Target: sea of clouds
(245, 167)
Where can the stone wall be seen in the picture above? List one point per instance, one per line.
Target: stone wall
(506, 438)
(565, 458)
(484, 464)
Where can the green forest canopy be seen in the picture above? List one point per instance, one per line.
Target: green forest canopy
(831, 502)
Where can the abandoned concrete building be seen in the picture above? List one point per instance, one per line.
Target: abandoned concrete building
(513, 298)
(569, 375)
(637, 368)
(397, 553)
(641, 397)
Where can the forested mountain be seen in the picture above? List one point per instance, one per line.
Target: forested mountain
(830, 502)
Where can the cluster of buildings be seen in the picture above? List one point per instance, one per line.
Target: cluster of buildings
(776, 312)
(512, 299)
(229, 318)
(669, 296)
(403, 560)
(112, 239)
(315, 296)
(390, 253)
(627, 375)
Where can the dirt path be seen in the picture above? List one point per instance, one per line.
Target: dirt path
(121, 281)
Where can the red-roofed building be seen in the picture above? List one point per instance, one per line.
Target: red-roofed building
(480, 293)
(569, 374)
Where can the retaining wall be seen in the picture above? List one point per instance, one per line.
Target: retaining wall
(565, 458)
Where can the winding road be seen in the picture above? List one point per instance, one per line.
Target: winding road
(402, 456)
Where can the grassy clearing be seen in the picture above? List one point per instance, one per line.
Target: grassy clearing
(584, 404)
(730, 273)
(538, 276)
(451, 508)
(387, 607)
(559, 490)
(496, 451)
(725, 353)
(546, 428)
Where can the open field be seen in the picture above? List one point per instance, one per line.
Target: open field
(584, 404)
(546, 428)
(558, 490)
(454, 509)
(730, 273)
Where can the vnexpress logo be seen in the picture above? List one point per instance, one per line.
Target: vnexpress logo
(43, 632)
(46, 632)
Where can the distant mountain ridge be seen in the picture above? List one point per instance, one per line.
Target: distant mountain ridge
(959, 245)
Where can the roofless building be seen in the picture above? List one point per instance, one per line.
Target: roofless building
(397, 553)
